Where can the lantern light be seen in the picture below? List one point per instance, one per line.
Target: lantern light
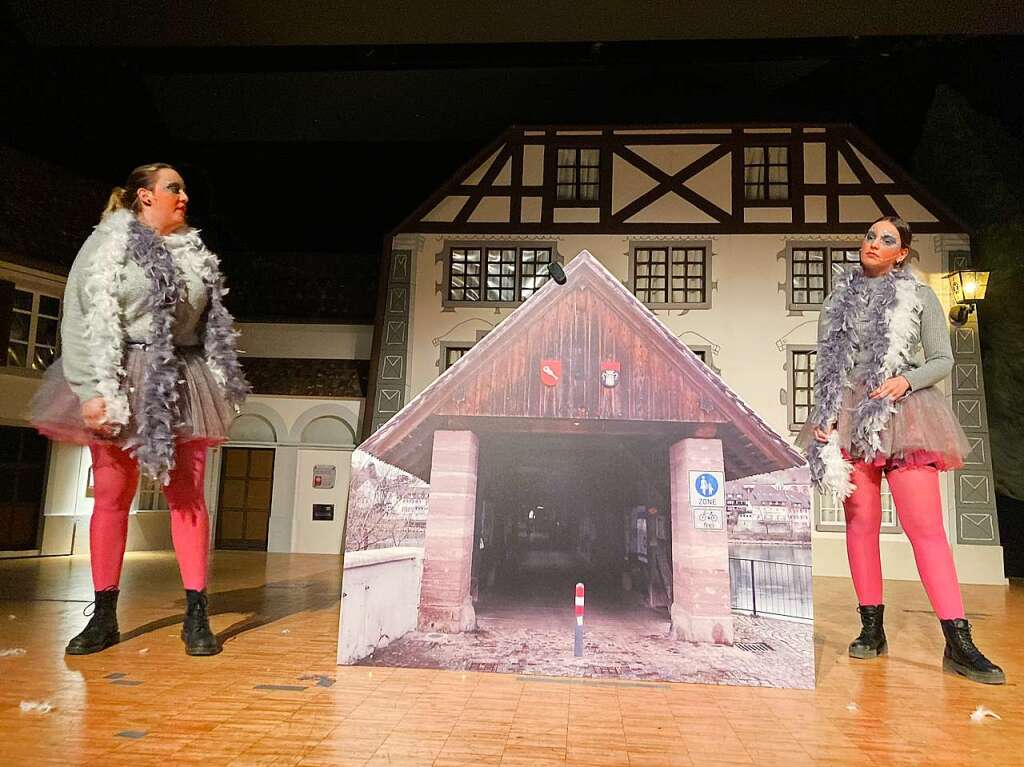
(968, 286)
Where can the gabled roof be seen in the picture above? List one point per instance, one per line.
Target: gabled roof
(665, 390)
(687, 178)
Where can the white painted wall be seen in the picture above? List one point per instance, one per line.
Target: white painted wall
(305, 341)
(379, 600)
(311, 536)
(291, 526)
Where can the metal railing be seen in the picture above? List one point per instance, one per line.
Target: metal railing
(760, 587)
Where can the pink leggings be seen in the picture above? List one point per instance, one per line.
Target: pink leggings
(116, 477)
(915, 490)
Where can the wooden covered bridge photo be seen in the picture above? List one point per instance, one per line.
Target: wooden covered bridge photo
(578, 442)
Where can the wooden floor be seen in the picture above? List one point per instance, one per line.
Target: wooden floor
(275, 697)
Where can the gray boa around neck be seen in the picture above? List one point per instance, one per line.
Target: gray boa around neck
(893, 312)
(154, 446)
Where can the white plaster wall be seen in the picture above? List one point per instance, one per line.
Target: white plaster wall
(291, 409)
(304, 341)
(379, 600)
(290, 511)
(311, 536)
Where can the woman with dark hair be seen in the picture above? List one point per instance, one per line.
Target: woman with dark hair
(877, 413)
(148, 379)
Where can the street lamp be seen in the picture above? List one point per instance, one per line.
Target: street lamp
(968, 287)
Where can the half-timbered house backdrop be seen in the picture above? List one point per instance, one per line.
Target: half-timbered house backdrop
(729, 233)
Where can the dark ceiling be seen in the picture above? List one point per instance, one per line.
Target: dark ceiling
(315, 129)
(406, 22)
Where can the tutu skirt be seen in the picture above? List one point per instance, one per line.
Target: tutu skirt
(201, 412)
(922, 432)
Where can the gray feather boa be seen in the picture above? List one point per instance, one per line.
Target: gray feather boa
(154, 445)
(894, 313)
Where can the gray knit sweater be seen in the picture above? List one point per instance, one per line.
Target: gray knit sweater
(133, 295)
(932, 339)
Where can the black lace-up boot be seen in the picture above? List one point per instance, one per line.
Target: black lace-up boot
(101, 631)
(871, 642)
(964, 658)
(196, 633)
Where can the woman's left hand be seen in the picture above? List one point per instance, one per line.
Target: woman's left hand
(894, 388)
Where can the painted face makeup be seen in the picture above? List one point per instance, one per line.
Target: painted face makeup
(168, 203)
(881, 249)
(887, 240)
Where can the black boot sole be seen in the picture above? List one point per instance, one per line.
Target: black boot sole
(948, 664)
(92, 649)
(201, 651)
(868, 653)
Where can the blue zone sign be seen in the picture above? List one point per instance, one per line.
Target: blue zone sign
(707, 489)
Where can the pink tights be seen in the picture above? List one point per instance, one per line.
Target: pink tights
(915, 490)
(115, 477)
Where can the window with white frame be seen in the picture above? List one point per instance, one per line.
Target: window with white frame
(830, 515)
(801, 364)
(495, 275)
(766, 173)
(671, 275)
(151, 497)
(812, 269)
(35, 330)
(579, 174)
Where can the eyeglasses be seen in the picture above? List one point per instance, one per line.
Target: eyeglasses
(887, 239)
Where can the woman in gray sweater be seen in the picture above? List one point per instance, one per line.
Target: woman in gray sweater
(149, 379)
(877, 412)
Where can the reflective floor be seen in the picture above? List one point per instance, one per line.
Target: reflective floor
(276, 697)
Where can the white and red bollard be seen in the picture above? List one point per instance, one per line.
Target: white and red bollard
(578, 644)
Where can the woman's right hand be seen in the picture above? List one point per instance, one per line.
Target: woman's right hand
(94, 413)
(822, 434)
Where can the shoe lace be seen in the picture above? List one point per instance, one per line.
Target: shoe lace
(198, 608)
(90, 608)
(870, 623)
(966, 644)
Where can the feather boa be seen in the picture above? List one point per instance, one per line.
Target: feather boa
(125, 238)
(895, 317)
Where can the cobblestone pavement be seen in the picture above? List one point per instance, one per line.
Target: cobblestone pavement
(626, 644)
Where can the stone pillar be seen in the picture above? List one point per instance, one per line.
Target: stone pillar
(445, 601)
(702, 606)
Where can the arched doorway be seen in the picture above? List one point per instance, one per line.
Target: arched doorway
(246, 485)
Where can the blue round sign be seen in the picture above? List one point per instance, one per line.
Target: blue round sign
(707, 485)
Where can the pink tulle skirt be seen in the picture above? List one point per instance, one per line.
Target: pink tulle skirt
(922, 432)
(200, 413)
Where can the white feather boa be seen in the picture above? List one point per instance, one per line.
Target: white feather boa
(902, 327)
(188, 247)
(104, 327)
(838, 470)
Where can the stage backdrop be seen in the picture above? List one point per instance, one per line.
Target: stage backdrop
(579, 495)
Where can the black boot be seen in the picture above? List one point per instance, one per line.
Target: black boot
(101, 631)
(195, 632)
(964, 658)
(871, 642)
